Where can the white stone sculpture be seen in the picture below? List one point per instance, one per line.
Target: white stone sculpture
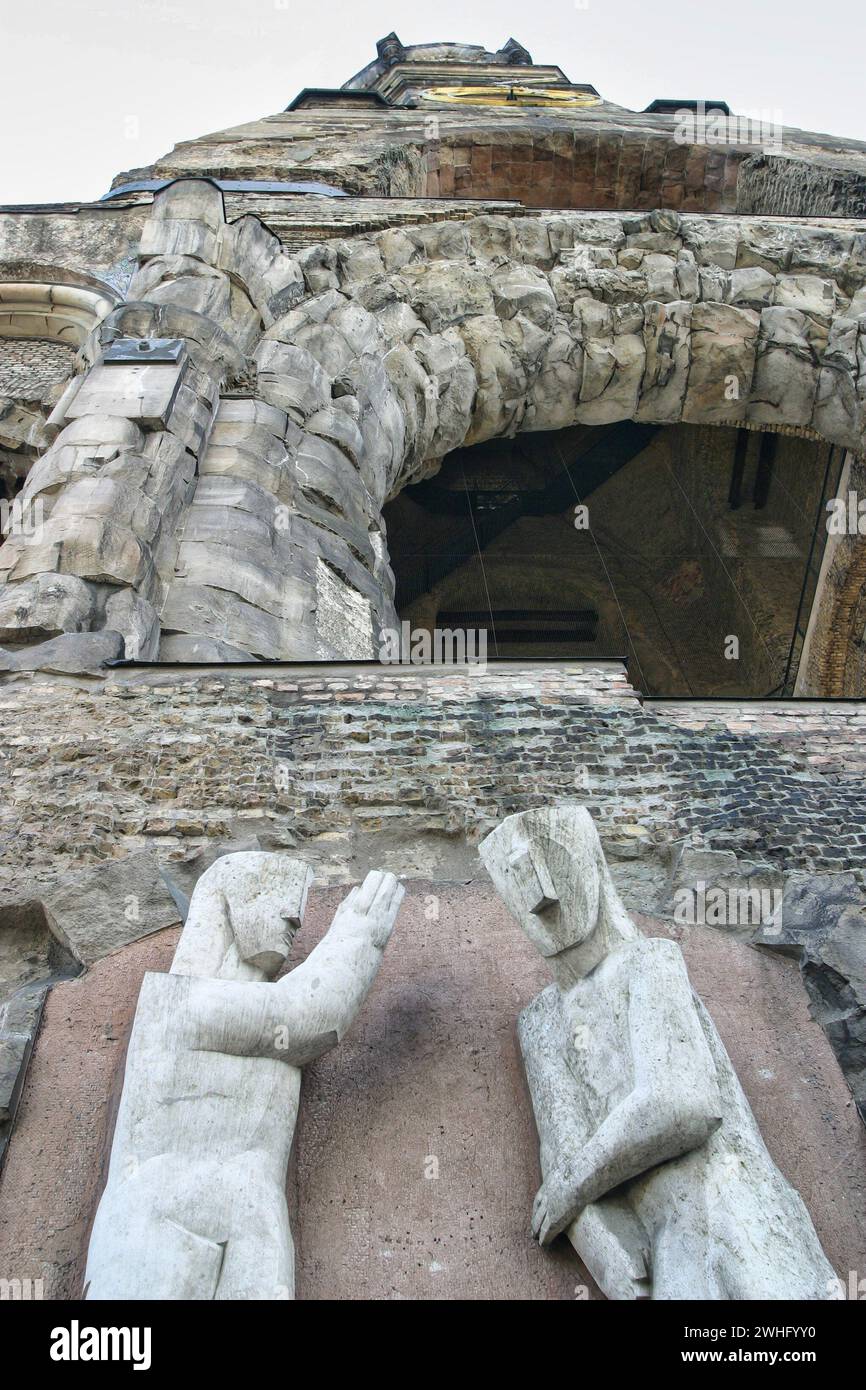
(651, 1159)
(195, 1206)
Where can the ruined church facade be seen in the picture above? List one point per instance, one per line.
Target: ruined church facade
(462, 346)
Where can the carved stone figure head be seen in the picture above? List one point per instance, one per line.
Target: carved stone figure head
(549, 867)
(245, 912)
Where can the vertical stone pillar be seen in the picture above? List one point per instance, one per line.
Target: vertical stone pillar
(117, 480)
(283, 553)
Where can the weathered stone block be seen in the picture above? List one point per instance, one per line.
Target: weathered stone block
(723, 346)
(103, 909)
(144, 394)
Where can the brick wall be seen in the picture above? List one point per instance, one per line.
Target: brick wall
(585, 169)
(30, 367)
(337, 757)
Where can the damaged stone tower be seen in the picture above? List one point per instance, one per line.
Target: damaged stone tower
(462, 346)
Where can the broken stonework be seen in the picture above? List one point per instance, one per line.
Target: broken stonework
(213, 516)
(31, 960)
(823, 926)
(19, 1021)
(219, 387)
(105, 908)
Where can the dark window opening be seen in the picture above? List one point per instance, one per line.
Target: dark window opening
(691, 552)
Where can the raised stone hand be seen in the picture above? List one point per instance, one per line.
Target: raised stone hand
(195, 1205)
(373, 905)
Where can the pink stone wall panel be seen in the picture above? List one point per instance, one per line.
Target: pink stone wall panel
(430, 1072)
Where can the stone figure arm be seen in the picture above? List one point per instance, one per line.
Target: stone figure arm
(557, 1102)
(672, 1108)
(308, 1011)
(605, 1234)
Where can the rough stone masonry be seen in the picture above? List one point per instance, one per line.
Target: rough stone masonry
(213, 381)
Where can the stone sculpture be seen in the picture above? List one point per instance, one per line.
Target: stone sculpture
(651, 1159)
(195, 1206)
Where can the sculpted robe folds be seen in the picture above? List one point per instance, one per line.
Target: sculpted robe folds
(651, 1158)
(194, 1206)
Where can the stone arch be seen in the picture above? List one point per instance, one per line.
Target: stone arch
(363, 362)
(42, 325)
(496, 324)
(62, 313)
(405, 345)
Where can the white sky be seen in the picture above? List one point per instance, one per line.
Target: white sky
(92, 87)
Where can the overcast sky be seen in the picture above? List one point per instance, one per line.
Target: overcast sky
(93, 87)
